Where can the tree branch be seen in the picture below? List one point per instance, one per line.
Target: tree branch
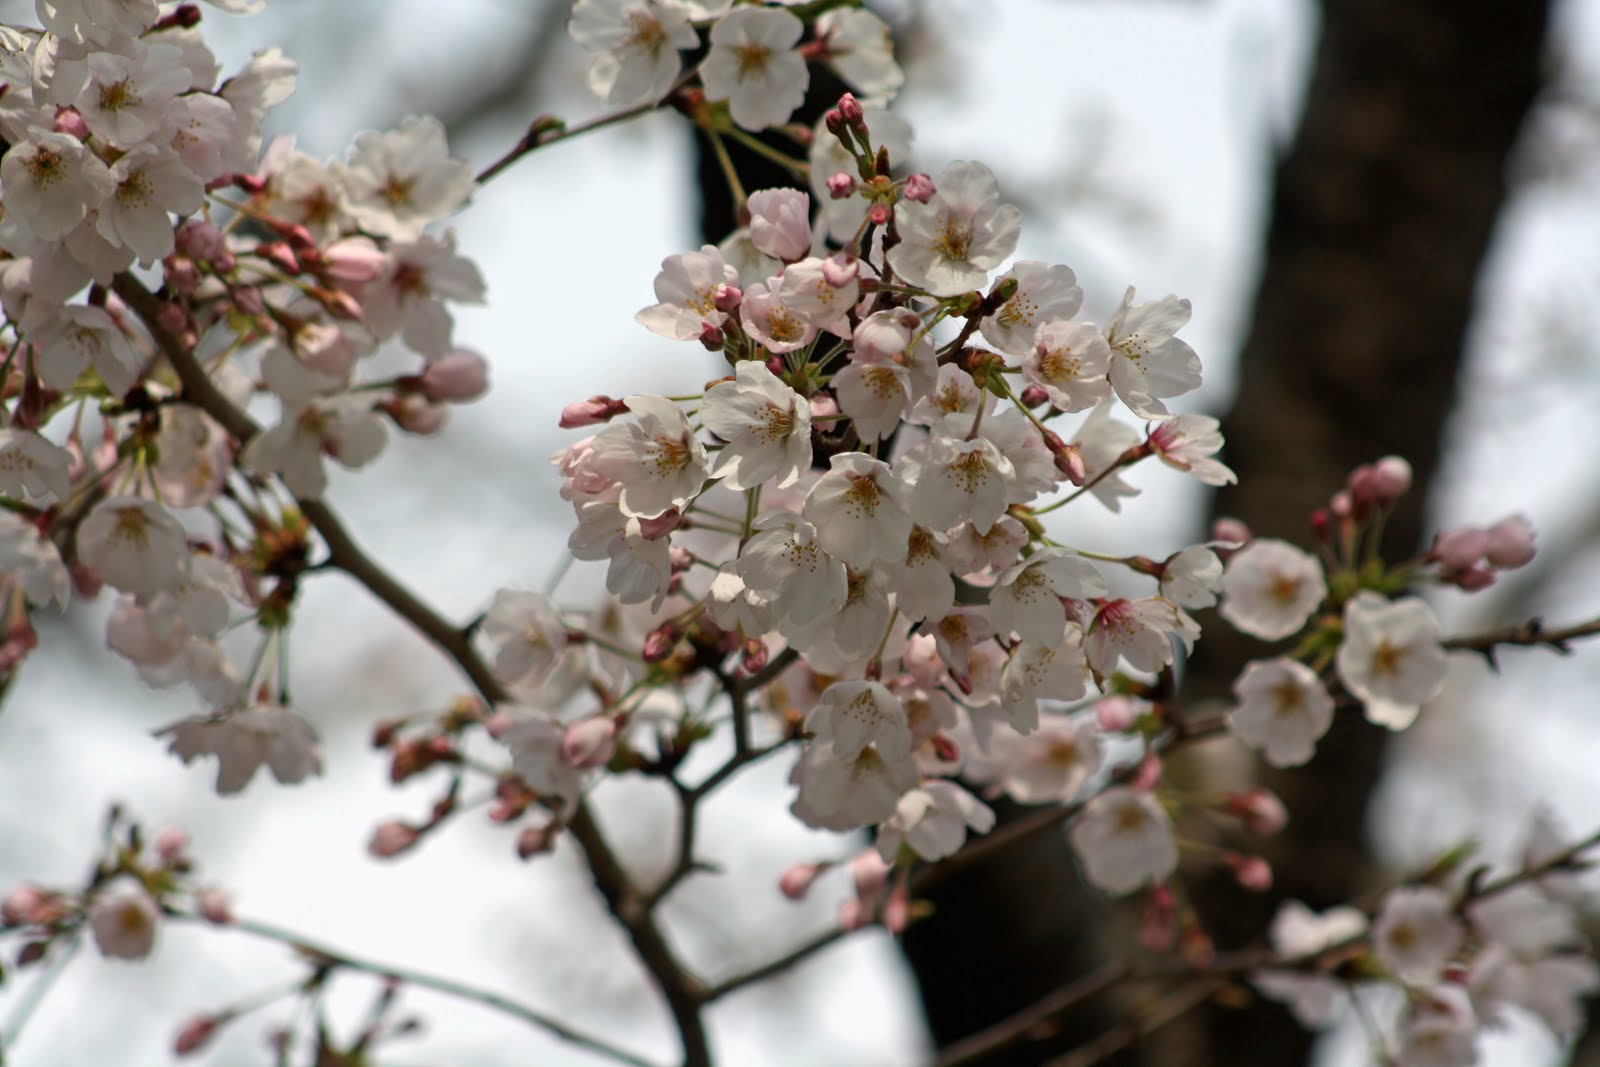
(679, 989)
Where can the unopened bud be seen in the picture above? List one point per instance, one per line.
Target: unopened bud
(280, 255)
(880, 213)
(1321, 524)
(753, 655)
(712, 338)
(1510, 542)
(659, 643)
(1117, 714)
(1034, 396)
(841, 185)
(415, 414)
(1251, 872)
(1391, 479)
(1260, 809)
(897, 910)
(391, 839)
(796, 881)
(1459, 549)
(171, 846)
(458, 376)
(596, 409)
(869, 873)
(590, 743)
(200, 239)
(850, 109)
(1230, 532)
(195, 1034)
(659, 526)
(535, 840)
(70, 122)
(841, 270)
(727, 298)
(919, 187)
(214, 906)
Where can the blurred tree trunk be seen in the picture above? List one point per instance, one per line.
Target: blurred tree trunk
(1383, 212)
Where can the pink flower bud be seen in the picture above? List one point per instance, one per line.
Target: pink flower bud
(248, 299)
(1510, 542)
(1342, 505)
(712, 338)
(727, 298)
(70, 122)
(201, 239)
(391, 839)
(1251, 872)
(822, 405)
(171, 846)
(880, 213)
(1321, 524)
(416, 414)
(280, 255)
(1470, 579)
(181, 274)
(753, 655)
(1069, 461)
(197, 1033)
(919, 187)
(536, 840)
(596, 409)
(1148, 775)
(1459, 549)
(1391, 477)
(214, 906)
(897, 910)
(869, 873)
(841, 270)
(945, 747)
(457, 376)
(1034, 395)
(659, 643)
(841, 184)
(796, 881)
(1263, 813)
(1230, 532)
(850, 109)
(1117, 714)
(23, 906)
(354, 260)
(653, 529)
(853, 914)
(590, 743)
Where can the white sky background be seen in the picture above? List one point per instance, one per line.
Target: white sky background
(1185, 93)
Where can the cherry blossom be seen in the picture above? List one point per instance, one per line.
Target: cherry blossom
(1283, 710)
(134, 545)
(1052, 764)
(637, 42)
(836, 794)
(655, 457)
(1027, 597)
(398, 181)
(31, 466)
(859, 510)
(852, 715)
(527, 635)
(1045, 294)
(686, 289)
(859, 46)
(753, 65)
(1416, 932)
(950, 244)
(1124, 839)
(932, 820)
(766, 426)
(51, 182)
(1391, 657)
(1187, 443)
(1270, 588)
(786, 559)
(244, 739)
(780, 223)
(1148, 362)
(1069, 361)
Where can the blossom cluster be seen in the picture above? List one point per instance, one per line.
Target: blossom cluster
(1464, 957)
(283, 277)
(855, 546)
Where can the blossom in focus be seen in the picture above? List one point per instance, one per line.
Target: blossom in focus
(1391, 657)
(950, 244)
(1270, 588)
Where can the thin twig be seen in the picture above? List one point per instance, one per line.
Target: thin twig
(422, 980)
(1130, 1033)
(1015, 1028)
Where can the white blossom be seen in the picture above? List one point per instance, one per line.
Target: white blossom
(1124, 839)
(1283, 710)
(1391, 657)
(1270, 588)
(950, 244)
